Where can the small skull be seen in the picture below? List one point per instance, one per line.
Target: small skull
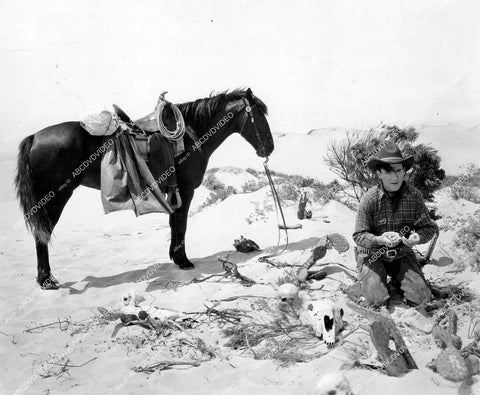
(287, 293)
(333, 383)
(326, 319)
(127, 299)
(132, 298)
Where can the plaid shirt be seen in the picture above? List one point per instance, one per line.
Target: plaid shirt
(376, 215)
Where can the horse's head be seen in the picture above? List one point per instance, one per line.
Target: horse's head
(254, 126)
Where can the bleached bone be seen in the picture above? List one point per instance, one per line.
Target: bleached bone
(326, 319)
(287, 293)
(333, 384)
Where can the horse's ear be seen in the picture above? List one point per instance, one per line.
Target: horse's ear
(250, 96)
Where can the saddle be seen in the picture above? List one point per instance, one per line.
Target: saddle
(144, 125)
(156, 150)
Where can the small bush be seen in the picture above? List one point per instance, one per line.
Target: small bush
(287, 191)
(253, 172)
(219, 189)
(465, 192)
(289, 185)
(252, 186)
(468, 238)
(211, 182)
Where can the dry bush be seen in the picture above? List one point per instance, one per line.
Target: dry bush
(348, 158)
(219, 189)
(468, 237)
(466, 192)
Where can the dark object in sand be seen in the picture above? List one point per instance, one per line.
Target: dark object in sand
(245, 245)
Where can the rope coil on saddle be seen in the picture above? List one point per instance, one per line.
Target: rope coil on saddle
(171, 135)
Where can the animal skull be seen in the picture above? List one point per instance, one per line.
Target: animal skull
(127, 298)
(333, 384)
(132, 298)
(287, 293)
(326, 319)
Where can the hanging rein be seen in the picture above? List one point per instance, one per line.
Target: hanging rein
(276, 198)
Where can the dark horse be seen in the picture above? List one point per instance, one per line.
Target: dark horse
(48, 158)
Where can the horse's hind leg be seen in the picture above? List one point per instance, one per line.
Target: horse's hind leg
(54, 209)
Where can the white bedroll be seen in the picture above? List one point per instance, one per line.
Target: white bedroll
(104, 123)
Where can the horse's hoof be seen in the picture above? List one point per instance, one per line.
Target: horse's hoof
(48, 283)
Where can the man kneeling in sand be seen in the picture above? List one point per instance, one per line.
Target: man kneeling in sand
(388, 213)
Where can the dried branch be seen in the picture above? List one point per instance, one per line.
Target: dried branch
(163, 365)
(47, 325)
(232, 270)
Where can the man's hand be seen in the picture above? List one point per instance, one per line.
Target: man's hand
(389, 239)
(413, 240)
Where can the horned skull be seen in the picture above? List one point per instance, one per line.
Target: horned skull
(287, 293)
(333, 384)
(326, 319)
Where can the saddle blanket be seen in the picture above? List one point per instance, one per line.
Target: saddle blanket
(127, 182)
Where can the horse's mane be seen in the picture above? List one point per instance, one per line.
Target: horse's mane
(199, 112)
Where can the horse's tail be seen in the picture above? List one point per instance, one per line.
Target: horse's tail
(34, 212)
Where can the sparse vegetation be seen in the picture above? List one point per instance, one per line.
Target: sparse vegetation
(348, 159)
(468, 238)
(467, 186)
(321, 192)
(466, 192)
(253, 186)
(219, 189)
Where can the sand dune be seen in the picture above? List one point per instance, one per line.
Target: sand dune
(98, 258)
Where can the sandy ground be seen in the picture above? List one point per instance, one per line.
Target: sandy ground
(98, 258)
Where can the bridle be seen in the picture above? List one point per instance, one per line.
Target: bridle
(249, 116)
(276, 199)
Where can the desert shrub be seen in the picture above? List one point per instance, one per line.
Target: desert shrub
(211, 182)
(219, 189)
(465, 192)
(348, 159)
(467, 186)
(253, 172)
(472, 176)
(468, 238)
(287, 191)
(321, 192)
(252, 186)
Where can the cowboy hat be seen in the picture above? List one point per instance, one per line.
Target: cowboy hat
(390, 154)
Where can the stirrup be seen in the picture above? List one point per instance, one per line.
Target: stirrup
(177, 197)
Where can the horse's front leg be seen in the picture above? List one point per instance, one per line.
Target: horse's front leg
(178, 226)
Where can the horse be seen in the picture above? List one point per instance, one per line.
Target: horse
(47, 158)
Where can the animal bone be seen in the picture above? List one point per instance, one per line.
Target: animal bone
(333, 383)
(326, 319)
(132, 298)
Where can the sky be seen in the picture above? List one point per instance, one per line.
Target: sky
(316, 64)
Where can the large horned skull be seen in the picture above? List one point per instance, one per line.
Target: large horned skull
(326, 319)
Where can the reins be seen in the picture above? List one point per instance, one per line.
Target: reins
(278, 208)
(276, 199)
